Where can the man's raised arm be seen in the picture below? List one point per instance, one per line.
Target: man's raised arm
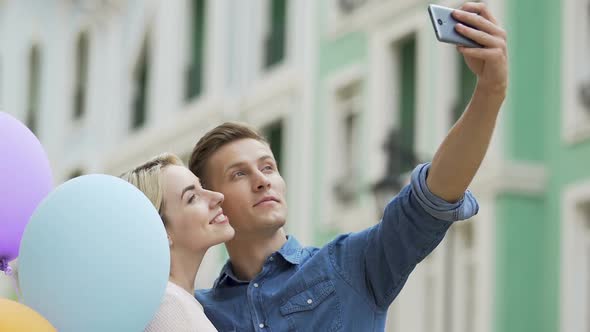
(459, 156)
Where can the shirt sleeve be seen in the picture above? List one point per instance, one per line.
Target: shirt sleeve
(376, 262)
(437, 207)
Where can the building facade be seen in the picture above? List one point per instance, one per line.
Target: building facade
(383, 76)
(106, 84)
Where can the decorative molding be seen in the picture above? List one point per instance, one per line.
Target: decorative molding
(178, 135)
(367, 13)
(283, 80)
(96, 11)
(96, 5)
(361, 17)
(505, 176)
(272, 97)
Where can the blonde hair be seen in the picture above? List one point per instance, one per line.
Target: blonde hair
(147, 178)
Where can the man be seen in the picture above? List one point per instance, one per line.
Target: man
(272, 283)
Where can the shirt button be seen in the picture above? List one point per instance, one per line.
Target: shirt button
(309, 301)
(261, 325)
(256, 286)
(271, 258)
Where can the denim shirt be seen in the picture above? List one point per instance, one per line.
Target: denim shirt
(348, 284)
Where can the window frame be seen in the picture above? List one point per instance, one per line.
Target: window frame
(575, 116)
(575, 234)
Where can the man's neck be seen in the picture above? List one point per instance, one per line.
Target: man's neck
(248, 253)
(183, 269)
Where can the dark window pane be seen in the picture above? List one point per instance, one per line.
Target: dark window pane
(275, 40)
(194, 73)
(407, 101)
(34, 88)
(274, 135)
(141, 77)
(81, 76)
(465, 85)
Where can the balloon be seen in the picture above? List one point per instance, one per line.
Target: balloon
(18, 317)
(95, 257)
(25, 179)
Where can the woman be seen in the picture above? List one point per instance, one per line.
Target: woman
(194, 221)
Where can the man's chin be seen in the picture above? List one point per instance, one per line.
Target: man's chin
(273, 223)
(263, 228)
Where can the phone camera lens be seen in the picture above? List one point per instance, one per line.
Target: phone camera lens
(440, 22)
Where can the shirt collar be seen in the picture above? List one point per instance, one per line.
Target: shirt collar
(291, 251)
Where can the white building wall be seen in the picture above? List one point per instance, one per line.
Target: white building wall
(236, 87)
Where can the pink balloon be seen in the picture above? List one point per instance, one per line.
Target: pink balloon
(25, 179)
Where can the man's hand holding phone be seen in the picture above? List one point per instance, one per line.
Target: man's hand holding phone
(479, 38)
(489, 63)
(462, 151)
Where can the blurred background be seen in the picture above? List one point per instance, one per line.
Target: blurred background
(351, 94)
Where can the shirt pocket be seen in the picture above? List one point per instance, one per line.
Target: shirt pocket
(316, 308)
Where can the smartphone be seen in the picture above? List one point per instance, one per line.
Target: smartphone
(444, 27)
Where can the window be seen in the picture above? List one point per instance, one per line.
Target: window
(429, 304)
(441, 293)
(274, 135)
(575, 247)
(584, 88)
(140, 87)
(460, 304)
(585, 85)
(576, 71)
(81, 79)
(403, 137)
(194, 73)
(275, 35)
(585, 264)
(349, 107)
(33, 96)
(466, 81)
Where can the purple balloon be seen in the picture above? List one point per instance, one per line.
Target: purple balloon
(25, 179)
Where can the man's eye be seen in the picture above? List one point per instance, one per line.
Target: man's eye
(239, 173)
(268, 168)
(190, 200)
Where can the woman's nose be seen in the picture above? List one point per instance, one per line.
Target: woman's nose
(216, 198)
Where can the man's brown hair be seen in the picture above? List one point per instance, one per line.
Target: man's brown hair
(214, 140)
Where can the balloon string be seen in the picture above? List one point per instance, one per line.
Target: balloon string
(10, 273)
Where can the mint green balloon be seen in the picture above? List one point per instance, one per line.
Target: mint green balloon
(95, 257)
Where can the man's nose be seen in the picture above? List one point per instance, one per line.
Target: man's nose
(262, 181)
